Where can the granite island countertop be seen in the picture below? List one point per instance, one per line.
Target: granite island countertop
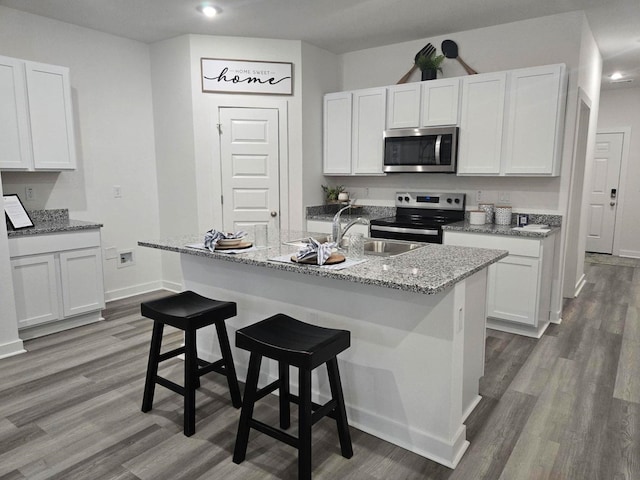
(52, 221)
(428, 270)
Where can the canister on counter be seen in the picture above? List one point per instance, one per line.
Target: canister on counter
(477, 217)
(503, 215)
(488, 209)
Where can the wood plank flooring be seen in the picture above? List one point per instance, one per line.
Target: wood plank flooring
(566, 406)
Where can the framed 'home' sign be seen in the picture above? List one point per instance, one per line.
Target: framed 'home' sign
(246, 76)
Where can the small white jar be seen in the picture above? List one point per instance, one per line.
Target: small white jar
(477, 217)
(343, 197)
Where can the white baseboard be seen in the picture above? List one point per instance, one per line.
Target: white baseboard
(172, 286)
(12, 348)
(630, 253)
(133, 290)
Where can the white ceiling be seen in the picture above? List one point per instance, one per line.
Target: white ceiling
(342, 26)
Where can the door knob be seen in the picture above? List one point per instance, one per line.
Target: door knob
(274, 213)
(613, 204)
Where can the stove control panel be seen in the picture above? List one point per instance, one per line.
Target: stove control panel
(430, 200)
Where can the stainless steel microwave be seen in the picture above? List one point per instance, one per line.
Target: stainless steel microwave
(432, 149)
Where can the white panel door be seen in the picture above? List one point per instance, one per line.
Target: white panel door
(51, 117)
(82, 282)
(249, 156)
(15, 139)
(603, 192)
(35, 285)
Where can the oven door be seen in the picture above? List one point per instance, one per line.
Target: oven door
(414, 234)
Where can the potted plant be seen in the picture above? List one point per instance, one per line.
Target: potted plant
(332, 193)
(430, 65)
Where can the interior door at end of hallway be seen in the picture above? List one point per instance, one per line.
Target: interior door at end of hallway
(249, 157)
(604, 192)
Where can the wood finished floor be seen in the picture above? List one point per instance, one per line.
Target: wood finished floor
(566, 406)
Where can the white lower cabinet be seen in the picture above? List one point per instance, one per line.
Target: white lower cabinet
(519, 286)
(58, 281)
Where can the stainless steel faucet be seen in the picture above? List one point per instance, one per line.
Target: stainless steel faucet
(337, 231)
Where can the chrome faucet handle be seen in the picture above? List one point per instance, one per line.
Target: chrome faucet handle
(336, 228)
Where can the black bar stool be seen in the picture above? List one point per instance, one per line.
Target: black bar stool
(189, 311)
(292, 342)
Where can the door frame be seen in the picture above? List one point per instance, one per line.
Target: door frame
(283, 141)
(624, 162)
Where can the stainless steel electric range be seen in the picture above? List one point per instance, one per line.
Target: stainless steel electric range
(420, 216)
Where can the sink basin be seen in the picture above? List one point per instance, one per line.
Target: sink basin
(372, 246)
(388, 248)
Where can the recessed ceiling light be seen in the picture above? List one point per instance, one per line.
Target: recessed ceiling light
(208, 10)
(616, 76)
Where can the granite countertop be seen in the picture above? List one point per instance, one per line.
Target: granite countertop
(52, 221)
(325, 213)
(428, 270)
(493, 229)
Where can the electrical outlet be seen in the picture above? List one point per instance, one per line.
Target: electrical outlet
(504, 197)
(29, 194)
(117, 191)
(479, 196)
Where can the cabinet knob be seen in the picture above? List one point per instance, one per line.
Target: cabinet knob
(613, 204)
(274, 213)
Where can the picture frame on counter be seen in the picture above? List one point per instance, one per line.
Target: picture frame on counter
(16, 213)
(257, 77)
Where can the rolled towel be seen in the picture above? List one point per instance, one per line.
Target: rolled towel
(322, 251)
(212, 236)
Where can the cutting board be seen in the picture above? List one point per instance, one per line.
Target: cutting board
(332, 260)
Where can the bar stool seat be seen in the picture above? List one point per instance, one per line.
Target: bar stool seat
(188, 312)
(292, 342)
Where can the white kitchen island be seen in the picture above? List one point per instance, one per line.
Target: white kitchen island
(417, 325)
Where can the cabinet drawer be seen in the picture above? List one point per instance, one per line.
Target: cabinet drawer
(525, 247)
(53, 242)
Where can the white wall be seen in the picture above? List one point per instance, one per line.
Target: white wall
(620, 109)
(321, 73)
(175, 150)
(111, 89)
(10, 344)
(574, 235)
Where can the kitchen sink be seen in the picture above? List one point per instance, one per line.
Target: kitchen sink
(372, 246)
(388, 248)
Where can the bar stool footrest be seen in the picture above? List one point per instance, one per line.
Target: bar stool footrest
(170, 354)
(207, 367)
(331, 412)
(266, 390)
(170, 385)
(274, 433)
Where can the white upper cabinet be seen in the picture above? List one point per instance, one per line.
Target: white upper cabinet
(353, 127)
(337, 133)
(403, 106)
(424, 104)
(512, 122)
(369, 107)
(440, 101)
(533, 133)
(35, 104)
(15, 142)
(481, 124)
